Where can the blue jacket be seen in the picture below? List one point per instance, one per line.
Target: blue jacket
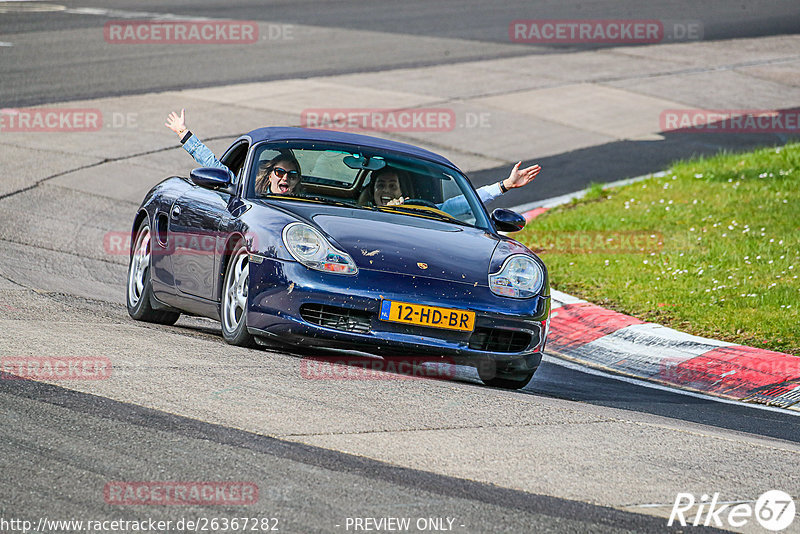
(202, 154)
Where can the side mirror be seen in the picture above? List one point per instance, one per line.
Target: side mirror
(211, 177)
(507, 221)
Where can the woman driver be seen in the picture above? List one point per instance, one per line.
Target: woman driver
(385, 189)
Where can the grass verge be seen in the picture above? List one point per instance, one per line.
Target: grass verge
(712, 248)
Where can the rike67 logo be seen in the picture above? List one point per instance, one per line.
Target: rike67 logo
(774, 510)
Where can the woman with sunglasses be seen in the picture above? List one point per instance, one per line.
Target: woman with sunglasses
(280, 176)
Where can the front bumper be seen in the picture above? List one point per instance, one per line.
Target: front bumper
(292, 304)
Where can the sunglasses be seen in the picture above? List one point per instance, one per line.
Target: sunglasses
(280, 173)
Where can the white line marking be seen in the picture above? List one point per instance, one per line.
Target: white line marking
(28, 7)
(563, 298)
(644, 383)
(124, 14)
(657, 505)
(6, 43)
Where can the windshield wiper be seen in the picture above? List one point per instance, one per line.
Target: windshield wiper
(329, 201)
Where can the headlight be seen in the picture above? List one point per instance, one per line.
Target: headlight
(310, 248)
(519, 277)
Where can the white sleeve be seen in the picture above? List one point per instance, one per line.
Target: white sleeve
(487, 193)
(458, 205)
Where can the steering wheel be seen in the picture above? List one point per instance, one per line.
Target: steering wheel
(420, 202)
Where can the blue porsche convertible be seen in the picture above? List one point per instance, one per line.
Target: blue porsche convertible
(332, 264)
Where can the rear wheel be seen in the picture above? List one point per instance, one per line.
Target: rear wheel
(233, 310)
(493, 378)
(139, 287)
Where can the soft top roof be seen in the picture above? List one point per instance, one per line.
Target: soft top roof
(282, 133)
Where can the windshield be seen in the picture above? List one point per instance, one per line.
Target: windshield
(349, 176)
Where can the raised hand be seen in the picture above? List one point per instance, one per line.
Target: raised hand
(519, 178)
(176, 122)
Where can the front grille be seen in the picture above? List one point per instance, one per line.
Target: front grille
(499, 340)
(336, 317)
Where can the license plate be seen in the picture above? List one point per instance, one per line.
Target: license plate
(431, 316)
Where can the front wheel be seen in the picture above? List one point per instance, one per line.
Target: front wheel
(140, 289)
(233, 310)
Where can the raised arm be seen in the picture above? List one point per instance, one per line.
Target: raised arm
(517, 178)
(191, 144)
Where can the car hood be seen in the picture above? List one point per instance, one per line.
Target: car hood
(417, 246)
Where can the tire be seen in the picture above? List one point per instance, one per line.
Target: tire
(489, 375)
(233, 305)
(139, 289)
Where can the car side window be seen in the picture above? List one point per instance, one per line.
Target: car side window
(234, 159)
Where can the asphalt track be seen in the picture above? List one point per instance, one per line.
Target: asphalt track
(52, 70)
(307, 489)
(184, 406)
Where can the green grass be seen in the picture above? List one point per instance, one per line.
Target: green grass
(712, 248)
